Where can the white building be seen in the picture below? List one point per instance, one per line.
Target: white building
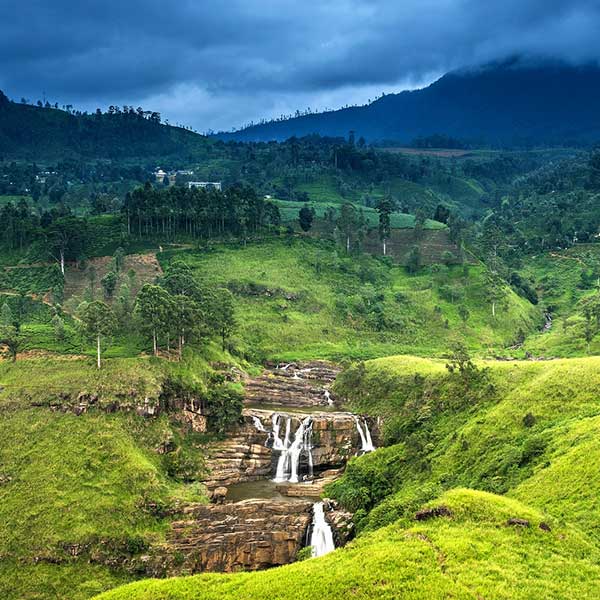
(216, 185)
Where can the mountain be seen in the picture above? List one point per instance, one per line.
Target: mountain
(511, 103)
(32, 132)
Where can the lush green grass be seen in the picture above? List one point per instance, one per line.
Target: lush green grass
(86, 481)
(289, 213)
(42, 380)
(472, 554)
(304, 298)
(526, 429)
(97, 482)
(566, 281)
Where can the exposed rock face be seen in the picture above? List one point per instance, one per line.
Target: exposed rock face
(241, 457)
(340, 521)
(294, 385)
(311, 489)
(246, 455)
(258, 533)
(249, 535)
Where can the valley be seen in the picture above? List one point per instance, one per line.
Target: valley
(340, 354)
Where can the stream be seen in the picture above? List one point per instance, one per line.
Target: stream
(266, 479)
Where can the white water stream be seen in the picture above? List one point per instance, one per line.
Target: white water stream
(290, 451)
(258, 424)
(365, 435)
(321, 539)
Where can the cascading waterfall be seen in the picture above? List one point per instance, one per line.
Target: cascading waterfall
(365, 436)
(276, 420)
(289, 459)
(321, 539)
(258, 424)
(328, 397)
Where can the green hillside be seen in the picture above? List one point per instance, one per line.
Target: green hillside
(84, 485)
(515, 428)
(37, 133)
(304, 298)
(500, 463)
(474, 553)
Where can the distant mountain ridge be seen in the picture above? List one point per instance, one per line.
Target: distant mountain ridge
(32, 132)
(514, 103)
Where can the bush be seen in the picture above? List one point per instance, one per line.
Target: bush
(224, 407)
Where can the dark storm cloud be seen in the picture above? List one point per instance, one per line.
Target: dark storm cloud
(218, 63)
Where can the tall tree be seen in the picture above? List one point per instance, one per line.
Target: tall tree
(66, 239)
(153, 307)
(97, 321)
(224, 314)
(385, 208)
(184, 317)
(306, 216)
(347, 223)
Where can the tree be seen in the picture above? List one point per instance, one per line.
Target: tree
(306, 216)
(97, 322)
(441, 214)
(420, 218)
(448, 258)
(494, 289)
(11, 338)
(59, 327)
(184, 317)
(153, 307)
(463, 313)
(119, 259)
(346, 224)
(123, 306)
(7, 317)
(224, 316)
(385, 208)
(66, 238)
(109, 283)
(413, 260)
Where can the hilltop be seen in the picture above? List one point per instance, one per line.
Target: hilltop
(515, 103)
(34, 132)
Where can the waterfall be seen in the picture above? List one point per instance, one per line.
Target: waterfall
(328, 397)
(258, 424)
(289, 459)
(321, 539)
(277, 443)
(365, 436)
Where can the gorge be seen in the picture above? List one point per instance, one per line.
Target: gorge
(267, 477)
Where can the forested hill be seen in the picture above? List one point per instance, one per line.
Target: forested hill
(37, 133)
(513, 103)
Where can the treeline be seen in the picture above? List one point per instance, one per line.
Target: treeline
(176, 310)
(39, 132)
(197, 212)
(147, 212)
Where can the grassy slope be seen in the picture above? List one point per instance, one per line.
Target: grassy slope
(473, 554)
(455, 436)
(90, 480)
(558, 278)
(316, 307)
(454, 191)
(74, 480)
(289, 213)
(479, 437)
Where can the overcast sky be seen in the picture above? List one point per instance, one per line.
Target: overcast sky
(219, 64)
